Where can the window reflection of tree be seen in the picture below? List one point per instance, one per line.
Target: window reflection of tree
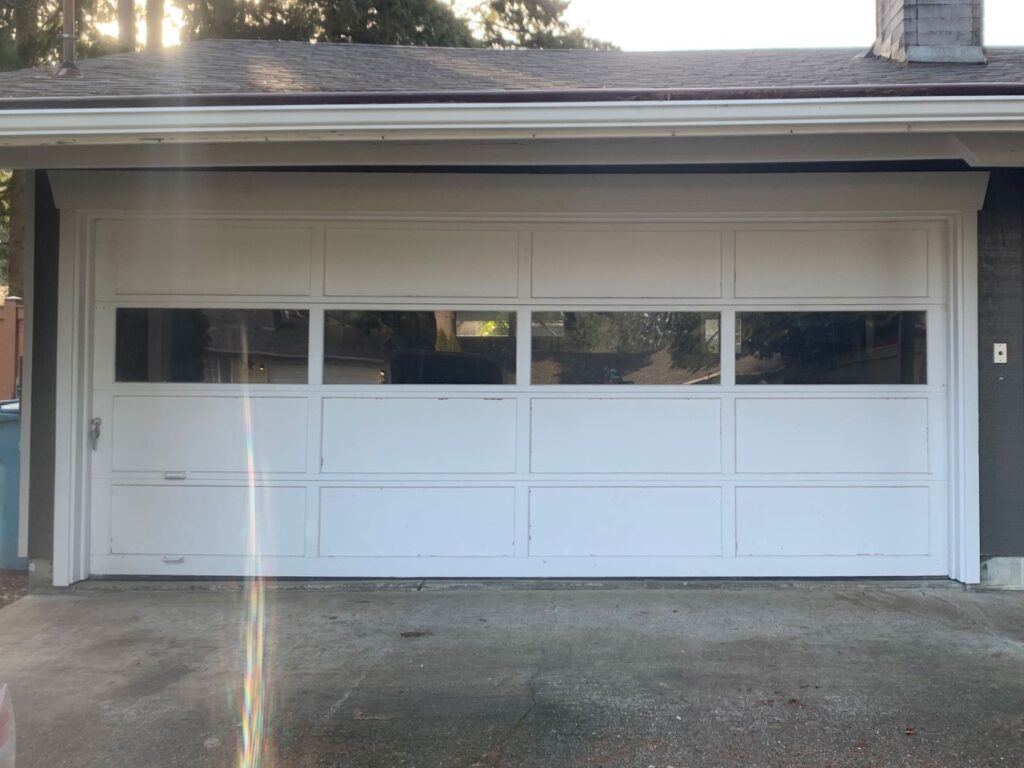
(831, 348)
(626, 347)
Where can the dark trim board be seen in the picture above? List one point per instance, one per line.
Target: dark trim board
(1001, 387)
(44, 372)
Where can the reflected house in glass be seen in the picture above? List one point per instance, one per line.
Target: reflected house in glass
(419, 347)
(251, 346)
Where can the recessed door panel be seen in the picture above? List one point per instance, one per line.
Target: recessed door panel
(833, 435)
(417, 522)
(208, 434)
(616, 436)
(419, 435)
(832, 263)
(627, 264)
(625, 522)
(808, 522)
(428, 262)
(207, 520)
(202, 258)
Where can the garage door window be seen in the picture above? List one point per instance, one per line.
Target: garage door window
(440, 346)
(831, 348)
(654, 348)
(227, 346)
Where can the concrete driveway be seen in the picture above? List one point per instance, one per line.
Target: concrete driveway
(801, 675)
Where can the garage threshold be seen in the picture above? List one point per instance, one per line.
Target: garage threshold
(216, 584)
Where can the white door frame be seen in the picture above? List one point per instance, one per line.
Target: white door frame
(84, 196)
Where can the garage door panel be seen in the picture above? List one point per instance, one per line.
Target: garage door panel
(200, 520)
(869, 521)
(625, 522)
(429, 263)
(419, 435)
(833, 435)
(821, 447)
(590, 264)
(164, 258)
(626, 436)
(832, 263)
(207, 434)
(417, 522)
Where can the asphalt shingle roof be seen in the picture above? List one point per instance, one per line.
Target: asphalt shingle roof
(253, 69)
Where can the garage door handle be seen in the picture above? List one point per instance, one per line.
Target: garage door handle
(94, 431)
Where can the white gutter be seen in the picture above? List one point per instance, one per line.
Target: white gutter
(960, 114)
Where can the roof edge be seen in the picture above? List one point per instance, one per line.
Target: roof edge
(591, 95)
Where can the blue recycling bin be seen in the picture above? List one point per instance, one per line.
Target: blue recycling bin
(10, 474)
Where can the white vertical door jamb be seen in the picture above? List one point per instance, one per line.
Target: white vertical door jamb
(966, 559)
(28, 303)
(69, 552)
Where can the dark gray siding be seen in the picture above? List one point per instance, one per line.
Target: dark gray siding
(1001, 319)
(44, 372)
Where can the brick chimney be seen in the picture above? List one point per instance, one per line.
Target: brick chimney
(936, 31)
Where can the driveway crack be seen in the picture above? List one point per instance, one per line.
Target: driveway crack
(497, 755)
(336, 706)
(529, 707)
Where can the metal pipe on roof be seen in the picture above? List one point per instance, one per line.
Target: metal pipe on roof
(68, 67)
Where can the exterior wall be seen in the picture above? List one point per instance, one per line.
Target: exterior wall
(929, 30)
(44, 373)
(1001, 319)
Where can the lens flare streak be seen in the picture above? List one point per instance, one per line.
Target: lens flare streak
(254, 682)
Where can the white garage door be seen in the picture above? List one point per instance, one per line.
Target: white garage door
(454, 398)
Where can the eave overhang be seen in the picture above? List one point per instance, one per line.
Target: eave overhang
(111, 125)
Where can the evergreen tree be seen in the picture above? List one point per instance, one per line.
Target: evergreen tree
(531, 24)
(396, 22)
(30, 35)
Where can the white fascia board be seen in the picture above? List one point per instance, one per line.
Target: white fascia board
(510, 121)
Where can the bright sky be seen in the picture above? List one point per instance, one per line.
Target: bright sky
(638, 25)
(652, 25)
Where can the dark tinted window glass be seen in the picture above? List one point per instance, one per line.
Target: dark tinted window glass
(419, 347)
(626, 348)
(256, 346)
(831, 348)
